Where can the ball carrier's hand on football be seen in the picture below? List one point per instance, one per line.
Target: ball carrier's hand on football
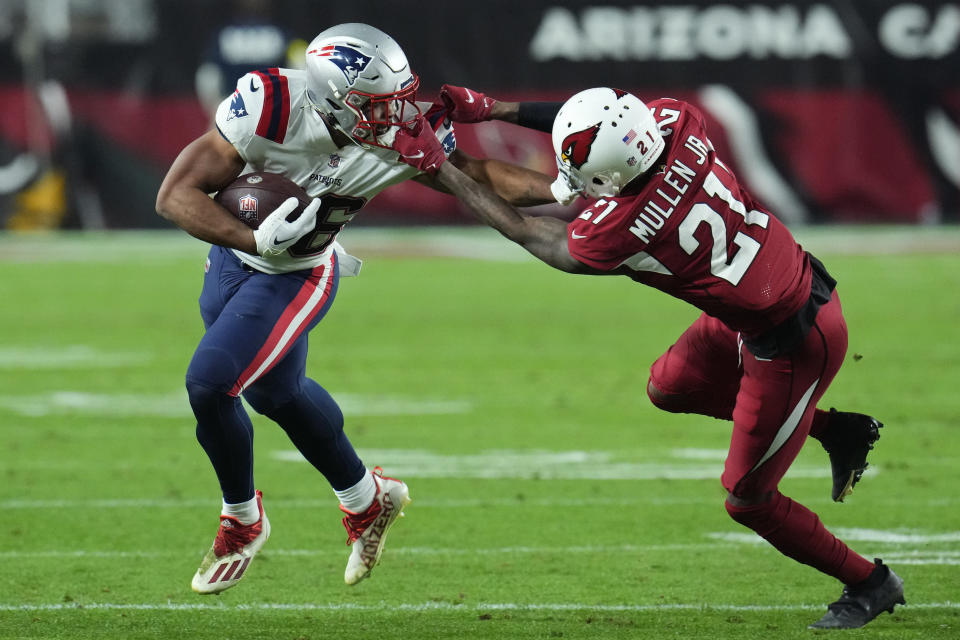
(207, 165)
(276, 234)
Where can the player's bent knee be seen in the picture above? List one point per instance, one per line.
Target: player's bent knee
(672, 402)
(760, 513)
(203, 398)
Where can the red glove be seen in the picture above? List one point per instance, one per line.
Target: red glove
(419, 147)
(466, 105)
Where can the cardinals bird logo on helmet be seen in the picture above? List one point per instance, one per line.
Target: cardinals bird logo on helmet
(576, 147)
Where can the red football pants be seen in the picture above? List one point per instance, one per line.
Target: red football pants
(772, 404)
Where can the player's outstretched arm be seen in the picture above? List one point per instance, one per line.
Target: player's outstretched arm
(519, 186)
(467, 105)
(544, 237)
(206, 165)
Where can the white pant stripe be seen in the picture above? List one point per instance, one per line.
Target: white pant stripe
(787, 428)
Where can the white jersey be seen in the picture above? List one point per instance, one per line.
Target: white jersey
(274, 128)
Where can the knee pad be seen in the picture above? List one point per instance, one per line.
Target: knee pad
(203, 398)
(214, 367)
(672, 402)
(762, 517)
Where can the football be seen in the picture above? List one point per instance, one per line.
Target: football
(254, 196)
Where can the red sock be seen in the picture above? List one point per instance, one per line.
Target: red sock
(797, 532)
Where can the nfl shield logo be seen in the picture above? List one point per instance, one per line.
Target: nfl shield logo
(334, 161)
(248, 208)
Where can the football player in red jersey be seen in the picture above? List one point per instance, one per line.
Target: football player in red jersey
(664, 211)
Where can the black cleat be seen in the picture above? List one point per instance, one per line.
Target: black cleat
(849, 437)
(860, 604)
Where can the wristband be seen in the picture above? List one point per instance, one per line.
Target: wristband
(538, 115)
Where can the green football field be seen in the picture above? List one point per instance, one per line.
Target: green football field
(550, 498)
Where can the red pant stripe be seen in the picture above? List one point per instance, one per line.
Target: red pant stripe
(291, 325)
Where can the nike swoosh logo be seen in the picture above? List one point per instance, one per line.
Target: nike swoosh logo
(419, 154)
(469, 96)
(278, 241)
(576, 236)
(253, 88)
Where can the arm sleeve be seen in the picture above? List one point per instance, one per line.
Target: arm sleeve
(538, 115)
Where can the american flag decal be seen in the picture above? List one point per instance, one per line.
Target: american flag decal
(627, 139)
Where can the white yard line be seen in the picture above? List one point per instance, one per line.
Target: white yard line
(900, 548)
(435, 606)
(174, 404)
(213, 502)
(898, 537)
(151, 247)
(73, 356)
(545, 465)
(415, 551)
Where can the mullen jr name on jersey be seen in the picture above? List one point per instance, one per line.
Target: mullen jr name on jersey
(695, 233)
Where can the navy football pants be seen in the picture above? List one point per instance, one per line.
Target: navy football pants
(255, 345)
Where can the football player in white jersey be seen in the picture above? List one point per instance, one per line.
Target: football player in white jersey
(329, 129)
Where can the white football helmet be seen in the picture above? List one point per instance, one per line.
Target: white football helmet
(603, 139)
(359, 77)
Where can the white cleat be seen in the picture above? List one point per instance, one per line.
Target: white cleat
(367, 531)
(232, 551)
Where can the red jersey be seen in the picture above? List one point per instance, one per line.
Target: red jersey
(695, 233)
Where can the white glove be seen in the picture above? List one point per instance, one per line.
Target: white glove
(561, 190)
(275, 235)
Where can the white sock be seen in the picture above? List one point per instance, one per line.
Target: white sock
(357, 498)
(246, 512)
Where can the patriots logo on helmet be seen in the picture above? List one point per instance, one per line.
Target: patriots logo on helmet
(350, 61)
(576, 147)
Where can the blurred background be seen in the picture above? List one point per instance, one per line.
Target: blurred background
(831, 112)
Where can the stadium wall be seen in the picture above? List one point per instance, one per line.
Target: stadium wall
(830, 111)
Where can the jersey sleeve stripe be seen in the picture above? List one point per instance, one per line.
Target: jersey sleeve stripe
(276, 105)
